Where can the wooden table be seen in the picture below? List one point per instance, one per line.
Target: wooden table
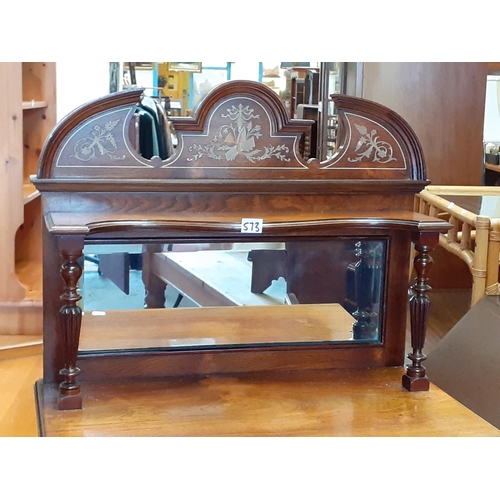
(213, 278)
(322, 402)
(307, 403)
(474, 212)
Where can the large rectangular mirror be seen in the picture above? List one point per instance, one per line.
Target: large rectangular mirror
(333, 291)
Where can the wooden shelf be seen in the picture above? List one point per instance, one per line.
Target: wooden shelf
(22, 319)
(14, 346)
(104, 330)
(30, 275)
(34, 104)
(30, 95)
(30, 192)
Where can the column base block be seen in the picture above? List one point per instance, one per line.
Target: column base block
(69, 402)
(415, 384)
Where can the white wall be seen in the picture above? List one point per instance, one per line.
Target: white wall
(492, 110)
(78, 82)
(245, 71)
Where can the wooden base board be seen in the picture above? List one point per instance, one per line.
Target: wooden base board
(15, 346)
(310, 403)
(21, 318)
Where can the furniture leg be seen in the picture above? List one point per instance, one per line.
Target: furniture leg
(154, 286)
(415, 378)
(70, 314)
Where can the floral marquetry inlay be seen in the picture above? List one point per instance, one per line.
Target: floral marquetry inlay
(240, 133)
(100, 142)
(238, 137)
(369, 146)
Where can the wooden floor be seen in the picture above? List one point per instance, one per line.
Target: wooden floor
(310, 406)
(17, 402)
(446, 309)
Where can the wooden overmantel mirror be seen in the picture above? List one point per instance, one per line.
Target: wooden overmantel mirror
(252, 257)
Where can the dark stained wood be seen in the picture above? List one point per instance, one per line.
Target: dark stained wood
(415, 378)
(153, 285)
(116, 267)
(71, 249)
(378, 143)
(267, 265)
(238, 157)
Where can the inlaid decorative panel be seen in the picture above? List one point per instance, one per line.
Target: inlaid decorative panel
(369, 145)
(100, 142)
(241, 131)
(239, 134)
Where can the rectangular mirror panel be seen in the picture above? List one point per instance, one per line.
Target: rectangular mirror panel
(172, 295)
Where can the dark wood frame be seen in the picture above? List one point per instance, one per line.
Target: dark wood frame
(96, 188)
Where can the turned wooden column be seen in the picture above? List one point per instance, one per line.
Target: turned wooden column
(71, 249)
(154, 287)
(415, 378)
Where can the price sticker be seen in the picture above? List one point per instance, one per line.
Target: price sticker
(251, 225)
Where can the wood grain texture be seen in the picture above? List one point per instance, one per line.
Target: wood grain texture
(27, 114)
(16, 346)
(201, 193)
(230, 325)
(17, 404)
(17, 391)
(270, 142)
(11, 177)
(21, 318)
(444, 104)
(318, 403)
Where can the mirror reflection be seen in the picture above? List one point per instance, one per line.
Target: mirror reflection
(176, 89)
(333, 291)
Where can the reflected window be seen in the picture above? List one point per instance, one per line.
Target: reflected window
(202, 83)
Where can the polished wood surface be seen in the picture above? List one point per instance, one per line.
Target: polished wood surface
(448, 306)
(426, 94)
(309, 403)
(83, 223)
(237, 157)
(209, 326)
